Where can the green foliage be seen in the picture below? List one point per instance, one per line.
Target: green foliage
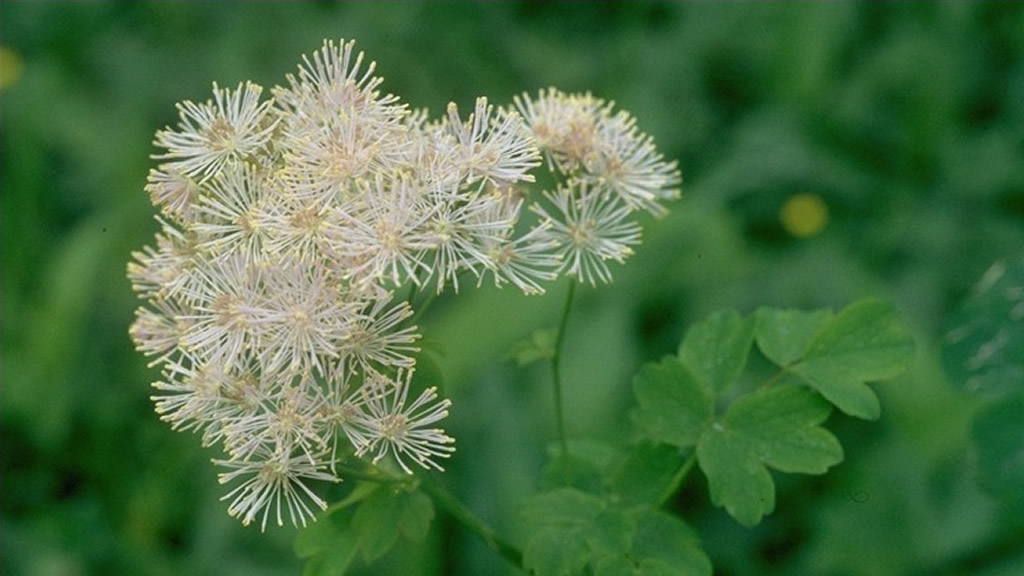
(381, 514)
(571, 530)
(864, 342)
(904, 118)
(984, 343)
(717, 348)
(777, 424)
(611, 522)
(784, 336)
(984, 355)
(775, 427)
(674, 406)
(645, 474)
(998, 435)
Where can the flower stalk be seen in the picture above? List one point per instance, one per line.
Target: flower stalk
(556, 377)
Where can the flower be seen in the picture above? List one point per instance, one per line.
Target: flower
(583, 139)
(173, 191)
(590, 227)
(233, 125)
(270, 479)
(385, 237)
(234, 213)
(496, 150)
(289, 224)
(405, 432)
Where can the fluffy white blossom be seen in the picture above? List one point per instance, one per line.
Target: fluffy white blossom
(232, 126)
(290, 224)
(406, 432)
(590, 226)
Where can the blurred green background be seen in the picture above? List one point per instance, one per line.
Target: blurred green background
(828, 151)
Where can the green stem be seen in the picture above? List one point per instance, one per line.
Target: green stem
(373, 474)
(677, 480)
(472, 522)
(775, 378)
(418, 312)
(557, 378)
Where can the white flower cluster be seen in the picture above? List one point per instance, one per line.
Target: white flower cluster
(289, 223)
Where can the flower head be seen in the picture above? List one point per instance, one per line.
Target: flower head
(406, 432)
(232, 126)
(289, 224)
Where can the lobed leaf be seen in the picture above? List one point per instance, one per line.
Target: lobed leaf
(674, 406)
(716, 349)
(644, 474)
(385, 514)
(417, 513)
(737, 480)
(865, 342)
(667, 545)
(784, 336)
(329, 546)
(335, 559)
(777, 427)
(559, 522)
(781, 425)
(572, 530)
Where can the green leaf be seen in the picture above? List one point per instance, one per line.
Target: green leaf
(775, 427)
(417, 513)
(315, 538)
(572, 530)
(560, 523)
(556, 553)
(674, 407)
(645, 474)
(784, 336)
(615, 566)
(563, 508)
(780, 424)
(983, 349)
(716, 350)
(362, 491)
(335, 559)
(737, 479)
(998, 436)
(664, 544)
(386, 514)
(610, 534)
(864, 342)
(330, 544)
(540, 346)
(588, 464)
